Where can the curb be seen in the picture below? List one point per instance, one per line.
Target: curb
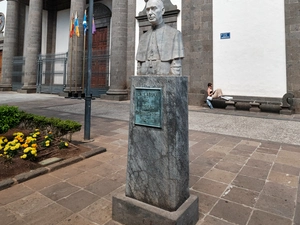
(50, 168)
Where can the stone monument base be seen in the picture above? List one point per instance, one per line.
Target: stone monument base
(129, 211)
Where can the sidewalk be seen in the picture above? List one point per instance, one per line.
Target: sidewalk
(244, 167)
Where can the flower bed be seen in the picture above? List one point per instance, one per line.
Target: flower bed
(23, 150)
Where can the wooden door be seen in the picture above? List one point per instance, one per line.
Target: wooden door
(100, 58)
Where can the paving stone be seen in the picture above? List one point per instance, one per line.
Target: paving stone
(278, 206)
(52, 214)
(259, 164)
(245, 147)
(7, 217)
(220, 175)
(267, 151)
(290, 148)
(59, 190)
(92, 212)
(241, 196)
(288, 161)
(14, 193)
(76, 219)
(263, 157)
(105, 169)
(66, 172)
(241, 153)
(288, 194)
(271, 145)
(206, 202)
(210, 187)
(282, 168)
(209, 220)
(199, 169)
(251, 183)
(229, 166)
(78, 200)
(282, 178)
(254, 172)
(41, 182)
(29, 204)
(288, 154)
(103, 187)
(263, 218)
(193, 179)
(119, 190)
(235, 158)
(220, 149)
(84, 179)
(231, 212)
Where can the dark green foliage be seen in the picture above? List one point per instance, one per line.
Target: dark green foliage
(12, 117)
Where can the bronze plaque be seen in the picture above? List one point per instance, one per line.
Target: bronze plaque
(148, 107)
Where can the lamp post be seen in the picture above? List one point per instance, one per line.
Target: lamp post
(88, 95)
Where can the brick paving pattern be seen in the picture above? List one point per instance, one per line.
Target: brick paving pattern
(238, 180)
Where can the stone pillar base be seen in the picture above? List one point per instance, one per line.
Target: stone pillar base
(129, 211)
(27, 91)
(114, 97)
(5, 87)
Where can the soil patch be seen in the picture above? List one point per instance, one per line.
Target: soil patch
(15, 166)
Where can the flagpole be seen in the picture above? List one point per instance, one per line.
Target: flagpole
(84, 40)
(88, 96)
(71, 52)
(83, 69)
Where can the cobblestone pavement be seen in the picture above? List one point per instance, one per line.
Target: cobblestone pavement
(244, 167)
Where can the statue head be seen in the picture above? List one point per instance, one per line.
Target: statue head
(155, 10)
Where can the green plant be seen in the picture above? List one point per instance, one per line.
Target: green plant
(10, 116)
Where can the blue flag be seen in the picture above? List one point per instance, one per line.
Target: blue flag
(84, 23)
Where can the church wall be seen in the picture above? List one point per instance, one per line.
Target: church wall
(252, 62)
(62, 31)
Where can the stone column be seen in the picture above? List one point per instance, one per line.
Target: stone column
(75, 64)
(198, 47)
(10, 47)
(32, 45)
(292, 35)
(118, 86)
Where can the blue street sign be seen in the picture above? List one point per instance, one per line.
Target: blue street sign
(225, 35)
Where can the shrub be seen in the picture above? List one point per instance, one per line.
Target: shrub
(10, 116)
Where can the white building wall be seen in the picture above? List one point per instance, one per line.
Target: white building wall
(252, 62)
(62, 31)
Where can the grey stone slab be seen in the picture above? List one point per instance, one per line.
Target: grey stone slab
(250, 183)
(59, 190)
(210, 187)
(78, 200)
(223, 210)
(129, 211)
(50, 161)
(254, 172)
(241, 196)
(158, 162)
(263, 218)
(274, 205)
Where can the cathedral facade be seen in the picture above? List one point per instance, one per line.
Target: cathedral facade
(248, 49)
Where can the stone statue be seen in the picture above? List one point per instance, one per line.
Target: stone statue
(160, 50)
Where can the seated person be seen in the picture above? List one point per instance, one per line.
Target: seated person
(213, 93)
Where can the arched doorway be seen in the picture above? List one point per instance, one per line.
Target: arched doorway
(100, 50)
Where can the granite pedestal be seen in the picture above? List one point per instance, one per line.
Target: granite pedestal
(158, 161)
